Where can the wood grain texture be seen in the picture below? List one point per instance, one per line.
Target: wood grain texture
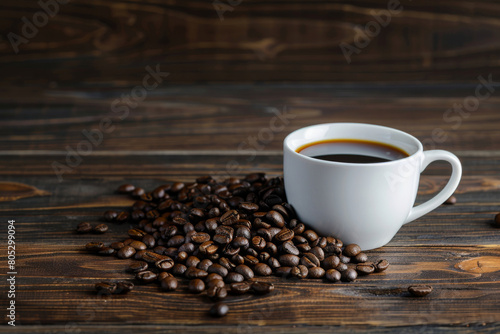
(107, 42)
(455, 248)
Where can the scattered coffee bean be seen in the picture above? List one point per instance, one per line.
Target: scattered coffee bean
(381, 265)
(169, 284)
(106, 287)
(215, 233)
(420, 290)
(451, 200)
(219, 310)
(496, 220)
(196, 285)
(84, 227)
(352, 250)
(261, 288)
(349, 275)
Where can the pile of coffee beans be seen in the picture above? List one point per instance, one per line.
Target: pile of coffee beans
(222, 235)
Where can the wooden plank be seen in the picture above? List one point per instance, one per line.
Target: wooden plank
(107, 42)
(55, 286)
(240, 119)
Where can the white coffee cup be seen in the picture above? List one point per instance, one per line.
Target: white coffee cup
(361, 203)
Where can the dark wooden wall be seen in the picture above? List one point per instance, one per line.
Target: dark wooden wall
(97, 42)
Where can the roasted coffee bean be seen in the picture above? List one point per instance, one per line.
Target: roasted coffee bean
(138, 245)
(221, 239)
(258, 243)
(196, 285)
(320, 242)
(318, 251)
(152, 257)
(261, 288)
(272, 249)
(230, 217)
(342, 267)
(237, 259)
(224, 230)
(124, 287)
(251, 251)
(211, 224)
(106, 251)
(365, 268)
(381, 265)
(193, 272)
(349, 275)
(110, 215)
(331, 249)
(136, 233)
(284, 235)
(420, 290)
(230, 250)
(138, 266)
(117, 245)
(289, 260)
(106, 287)
(219, 310)
(304, 248)
(331, 262)
(126, 188)
(164, 264)
(496, 220)
(181, 256)
(94, 246)
(283, 271)
(213, 277)
(352, 250)
(84, 227)
(245, 271)
(187, 248)
(138, 192)
(208, 247)
(192, 261)
(298, 239)
(361, 257)
(125, 252)
(309, 260)
(138, 255)
(273, 263)
(240, 242)
(275, 218)
(169, 284)
(239, 288)
(333, 275)
(233, 277)
(299, 229)
(264, 256)
(149, 241)
(344, 259)
(218, 269)
(316, 272)
(451, 200)
(122, 217)
(262, 269)
(243, 231)
(248, 206)
(175, 241)
(310, 235)
(158, 250)
(216, 292)
(290, 248)
(250, 260)
(178, 269)
(204, 264)
(146, 276)
(162, 275)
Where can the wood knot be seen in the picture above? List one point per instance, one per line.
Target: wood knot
(480, 265)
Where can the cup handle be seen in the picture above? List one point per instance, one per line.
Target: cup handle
(446, 192)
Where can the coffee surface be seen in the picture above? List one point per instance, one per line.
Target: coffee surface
(352, 151)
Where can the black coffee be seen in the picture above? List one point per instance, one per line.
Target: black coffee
(352, 151)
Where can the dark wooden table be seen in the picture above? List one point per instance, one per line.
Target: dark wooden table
(181, 132)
